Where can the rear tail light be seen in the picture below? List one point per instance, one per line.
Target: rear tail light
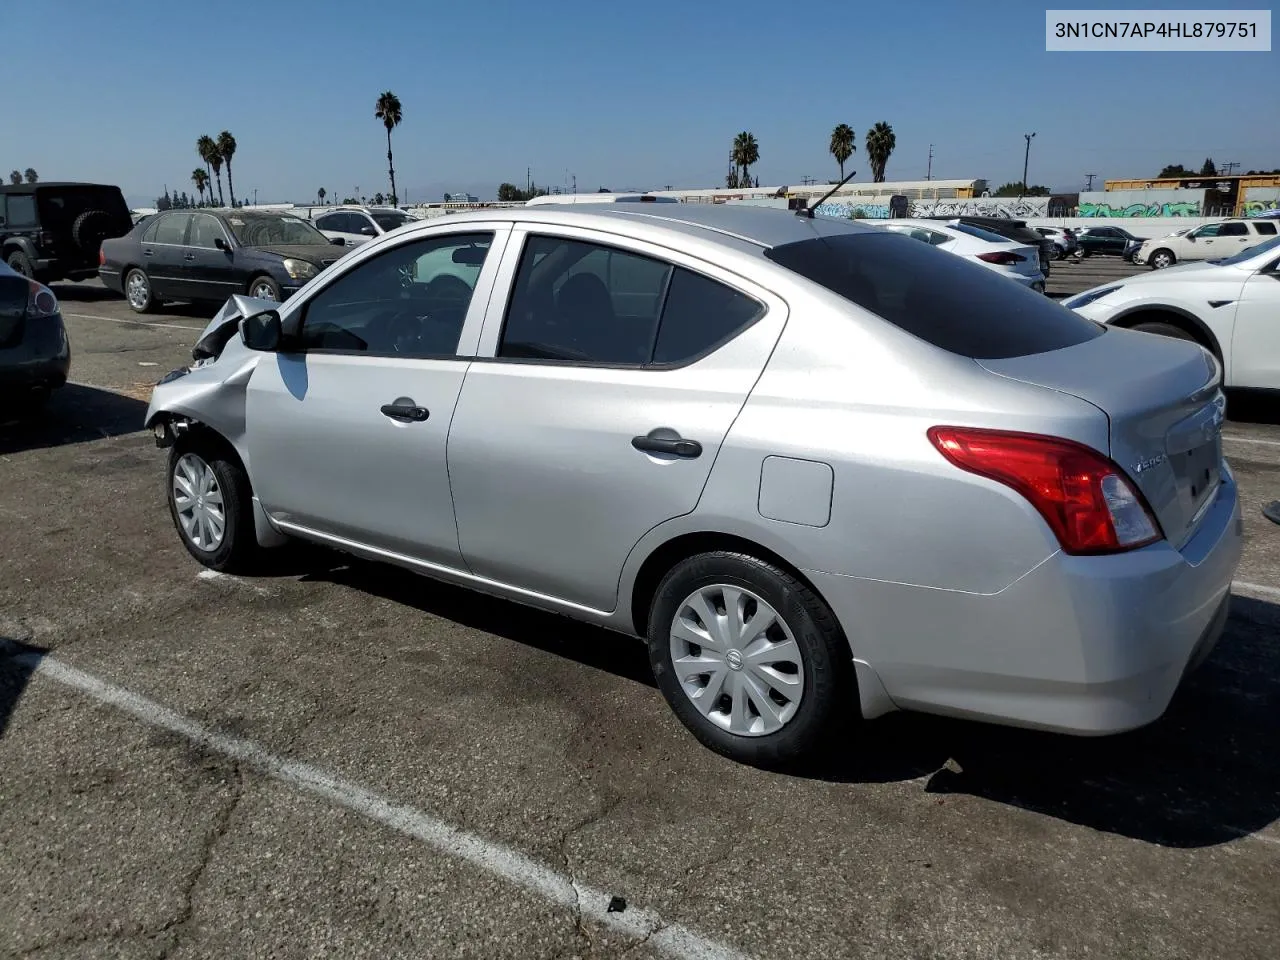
(102, 258)
(1003, 257)
(41, 302)
(1085, 498)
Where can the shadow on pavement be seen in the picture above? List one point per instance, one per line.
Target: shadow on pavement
(1253, 406)
(1206, 773)
(75, 414)
(17, 663)
(93, 292)
(589, 645)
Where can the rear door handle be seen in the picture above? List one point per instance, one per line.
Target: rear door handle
(189, 256)
(405, 411)
(146, 251)
(674, 446)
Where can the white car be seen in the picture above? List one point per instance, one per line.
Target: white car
(1211, 241)
(1017, 261)
(357, 225)
(1230, 307)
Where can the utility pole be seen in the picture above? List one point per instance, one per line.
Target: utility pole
(575, 184)
(929, 175)
(1026, 159)
(1089, 180)
(1228, 167)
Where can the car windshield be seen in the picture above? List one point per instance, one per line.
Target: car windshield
(943, 299)
(389, 221)
(1250, 252)
(978, 232)
(264, 229)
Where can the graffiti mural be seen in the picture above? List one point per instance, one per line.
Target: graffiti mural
(983, 207)
(853, 210)
(1183, 208)
(1256, 208)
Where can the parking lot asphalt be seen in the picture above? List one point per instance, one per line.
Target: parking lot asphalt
(341, 759)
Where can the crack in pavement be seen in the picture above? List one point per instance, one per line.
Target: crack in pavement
(575, 908)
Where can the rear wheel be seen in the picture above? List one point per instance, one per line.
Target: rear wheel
(19, 262)
(752, 662)
(212, 506)
(137, 290)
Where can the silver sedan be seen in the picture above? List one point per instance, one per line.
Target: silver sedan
(823, 470)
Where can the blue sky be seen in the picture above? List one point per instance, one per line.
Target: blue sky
(634, 96)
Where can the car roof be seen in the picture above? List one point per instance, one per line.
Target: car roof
(760, 226)
(52, 184)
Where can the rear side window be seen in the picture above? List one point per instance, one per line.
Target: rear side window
(699, 315)
(20, 210)
(936, 296)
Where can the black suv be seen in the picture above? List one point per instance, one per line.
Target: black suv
(1014, 230)
(52, 231)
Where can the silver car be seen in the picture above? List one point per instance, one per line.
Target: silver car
(820, 468)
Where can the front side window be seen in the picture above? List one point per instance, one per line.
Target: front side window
(411, 301)
(1234, 230)
(205, 231)
(596, 304)
(1208, 230)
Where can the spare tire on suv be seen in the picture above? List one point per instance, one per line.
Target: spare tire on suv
(55, 230)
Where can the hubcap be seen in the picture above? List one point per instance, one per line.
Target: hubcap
(737, 660)
(198, 500)
(137, 291)
(264, 292)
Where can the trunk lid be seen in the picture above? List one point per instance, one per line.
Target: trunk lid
(15, 290)
(1165, 408)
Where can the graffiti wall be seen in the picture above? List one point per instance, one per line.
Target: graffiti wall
(1260, 200)
(853, 210)
(983, 207)
(1142, 203)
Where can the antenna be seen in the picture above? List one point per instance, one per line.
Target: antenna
(1089, 178)
(808, 209)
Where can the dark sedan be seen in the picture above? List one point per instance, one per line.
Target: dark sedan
(1115, 241)
(34, 354)
(205, 255)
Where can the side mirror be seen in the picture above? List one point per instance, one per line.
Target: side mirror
(221, 244)
(261, 331)
(337, 241)
(368, 231)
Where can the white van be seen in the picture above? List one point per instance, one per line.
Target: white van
(600, 198)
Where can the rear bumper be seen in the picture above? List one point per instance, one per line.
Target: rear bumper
(41, 361)
(1081, 645)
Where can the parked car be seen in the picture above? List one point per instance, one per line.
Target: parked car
(357, 225)
(1230, 307)
(819, 466)
(35, 356)
(53, 231)
(207, 255)
(1108, 241)
(1013, 230)
(1210, 241)
(1064, 241)
(1017, 261)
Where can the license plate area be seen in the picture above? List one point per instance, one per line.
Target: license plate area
(1195, 453)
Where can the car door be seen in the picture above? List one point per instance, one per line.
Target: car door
(208, 266)
(608, 374)
(347, 426)
(1198, 244)
(1255, 341)
(1234, 237)
(163, 246)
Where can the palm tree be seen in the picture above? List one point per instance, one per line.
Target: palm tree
(201, 180)
(320, 195)
(880, 143)
(207, 148)
(745, 152)
(842, 144)
(387, 109)
(31, 175)
(227, 150)
(15, 177)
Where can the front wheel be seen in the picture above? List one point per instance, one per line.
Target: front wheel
(752, 662)
(264, 288)
(1161, 259)
(212, 507)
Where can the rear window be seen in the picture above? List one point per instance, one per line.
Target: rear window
(978, 232)
(939, 297)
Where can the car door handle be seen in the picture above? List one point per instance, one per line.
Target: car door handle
(189, 256)
(146, 251)
(675, 446)
(406, 411)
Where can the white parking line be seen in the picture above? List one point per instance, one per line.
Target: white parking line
(672, 939)
(142, 323)
(1265, 443)
(1256, 590)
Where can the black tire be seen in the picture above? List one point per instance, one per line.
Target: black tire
(1164, 330)
(830, 686)
(19, 262)
(147, 304)
(89, 230)
(237, 551)
(264, 281)
(1162, 254)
